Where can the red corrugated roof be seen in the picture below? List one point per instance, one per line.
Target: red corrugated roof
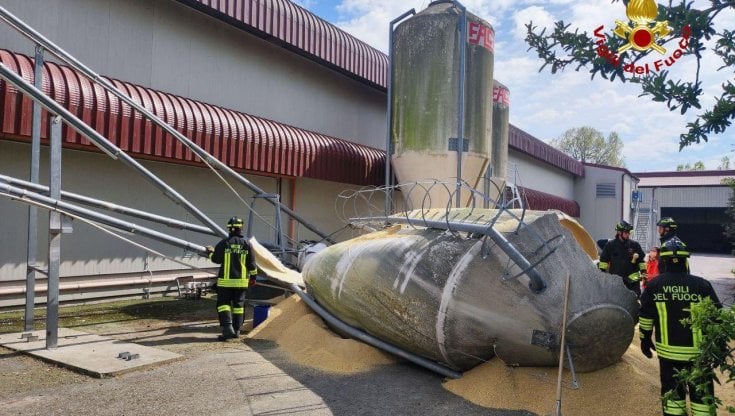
(240, 140)
(295, 28)
(542, 201)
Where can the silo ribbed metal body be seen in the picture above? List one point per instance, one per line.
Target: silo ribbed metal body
(450, 297)
(426, 76)
(501, 126)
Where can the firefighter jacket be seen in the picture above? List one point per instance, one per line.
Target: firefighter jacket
(237, 265)
(665, 302)
(618, 258)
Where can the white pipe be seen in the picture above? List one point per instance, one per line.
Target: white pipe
(17, 290)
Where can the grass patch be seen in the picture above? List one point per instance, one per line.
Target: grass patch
(165, 309)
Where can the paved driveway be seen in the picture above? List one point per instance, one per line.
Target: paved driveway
(718, 269)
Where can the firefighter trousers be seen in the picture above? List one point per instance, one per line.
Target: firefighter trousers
(676, 406)
(231, 306)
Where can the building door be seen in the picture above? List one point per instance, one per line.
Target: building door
(701, 228)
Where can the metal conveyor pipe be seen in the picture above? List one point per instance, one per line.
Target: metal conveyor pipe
(371, 340)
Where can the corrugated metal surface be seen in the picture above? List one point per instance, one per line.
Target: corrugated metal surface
(524, 142)
(689, 197)
(542, 201)
(684, 178)
(295, 28)
(240, 140)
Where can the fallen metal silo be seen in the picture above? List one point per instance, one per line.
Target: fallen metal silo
(431, 106)
(458, 299)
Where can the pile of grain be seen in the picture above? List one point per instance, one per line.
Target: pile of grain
(629, 387)
(308, 341)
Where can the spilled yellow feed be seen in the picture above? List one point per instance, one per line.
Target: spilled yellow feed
(308, 341)
(629, 387)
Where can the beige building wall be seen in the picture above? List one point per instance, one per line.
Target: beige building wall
(604, 197)
(531, 173)
(170, 47)
(88, 253)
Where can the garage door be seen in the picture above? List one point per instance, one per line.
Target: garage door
(702, 228)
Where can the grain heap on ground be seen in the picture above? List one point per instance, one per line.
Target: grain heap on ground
(629, 387)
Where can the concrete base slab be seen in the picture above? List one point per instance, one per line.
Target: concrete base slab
(90, 354)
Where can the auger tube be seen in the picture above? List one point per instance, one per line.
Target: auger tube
(371, 340)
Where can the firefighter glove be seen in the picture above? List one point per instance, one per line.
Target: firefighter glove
(208, 250)
(647, 346)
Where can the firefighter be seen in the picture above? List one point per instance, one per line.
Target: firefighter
(624, 257)
(667, 229)
(665, 302)
(237, 272)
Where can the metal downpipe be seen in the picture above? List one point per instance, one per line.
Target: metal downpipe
(371, 340)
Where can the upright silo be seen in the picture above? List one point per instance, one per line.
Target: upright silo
(500, 128)
(426, 75)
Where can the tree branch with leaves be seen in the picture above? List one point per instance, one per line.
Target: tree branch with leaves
(563, 47)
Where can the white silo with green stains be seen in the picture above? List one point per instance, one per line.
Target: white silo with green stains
(426, 74)
(501, 126)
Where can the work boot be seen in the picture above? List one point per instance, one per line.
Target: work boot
(228, 332)
(237, 321)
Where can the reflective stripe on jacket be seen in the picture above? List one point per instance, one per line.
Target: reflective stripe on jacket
(237, 265)
(665, 302)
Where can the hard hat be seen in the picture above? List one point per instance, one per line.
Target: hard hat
(623, 226)
(674, 248)
(234, 222)
(667, 222)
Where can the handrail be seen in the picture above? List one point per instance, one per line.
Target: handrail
(34, 36)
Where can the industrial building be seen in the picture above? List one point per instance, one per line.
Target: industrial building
(278, 94)
(696, 199)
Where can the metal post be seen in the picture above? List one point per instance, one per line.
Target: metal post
(389, 114)
(32, 250)
(279, 228)
(462, 75)
(54, 238)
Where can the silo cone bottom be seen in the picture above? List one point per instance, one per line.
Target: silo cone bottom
(411, 166)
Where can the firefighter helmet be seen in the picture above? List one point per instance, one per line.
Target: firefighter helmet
(234, 222)
(623, 226)
(667, 222)
(674, 248)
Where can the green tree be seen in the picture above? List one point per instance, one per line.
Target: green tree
(715, 349)
(698, 165)
(724, 163)
(589, 145)
(563, 47)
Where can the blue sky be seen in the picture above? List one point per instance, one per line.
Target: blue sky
(546, 105)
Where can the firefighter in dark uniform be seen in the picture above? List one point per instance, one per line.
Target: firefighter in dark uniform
(665, 302)
(667, 229)
(624, 257)
(236, 273)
